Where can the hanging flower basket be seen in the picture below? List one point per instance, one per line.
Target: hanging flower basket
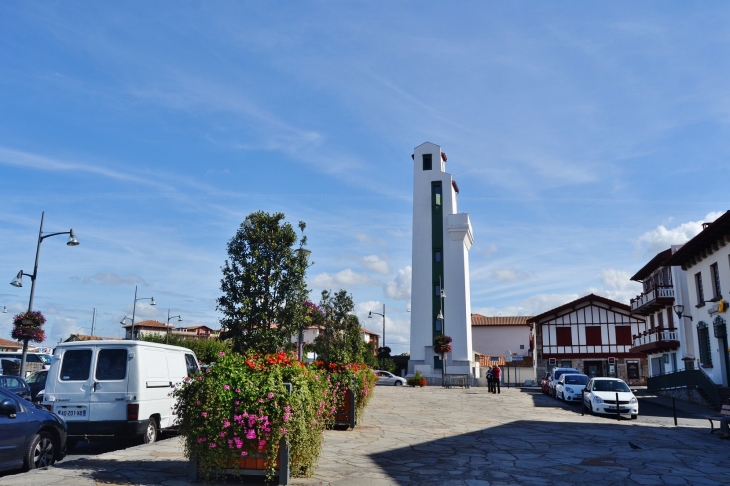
(29, 326)
(442, 344)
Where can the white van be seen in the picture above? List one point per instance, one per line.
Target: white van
(116, 388)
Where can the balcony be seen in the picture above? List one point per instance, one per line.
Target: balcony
(653, 300)
(656, 341)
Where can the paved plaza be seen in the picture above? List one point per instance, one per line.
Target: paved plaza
(432, 436)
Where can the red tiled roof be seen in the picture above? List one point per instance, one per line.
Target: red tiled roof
(86, 337)
(149, 323)
(480, 320)
(6, 343)
(484, 361)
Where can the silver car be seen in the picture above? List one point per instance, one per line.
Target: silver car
(388, 378)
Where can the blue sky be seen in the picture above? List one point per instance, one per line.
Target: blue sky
(584, 137)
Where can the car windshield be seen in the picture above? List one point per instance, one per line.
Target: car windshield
(45, 358)
(576, 379)
(610, 386)
(37, 378)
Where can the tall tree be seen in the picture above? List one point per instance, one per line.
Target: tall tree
(263, 284)
(339, 339)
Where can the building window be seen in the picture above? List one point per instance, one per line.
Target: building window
(437, 256)
(437, 195)
(623, 336)
(717, 293)
(660, 320)
(651, 321)
(437, 290)
(700, 290)
(427, 162)
(703, 338)
(437, 363)
(593, 335)
(438, 325)
(564, 336)
(522, 346)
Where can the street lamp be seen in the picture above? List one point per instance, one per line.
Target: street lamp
(179, 319)
(5, 310)
(18, 280)
(679, 310)
(370, 316)
(134, 308)
(440, 318)
(301, 253)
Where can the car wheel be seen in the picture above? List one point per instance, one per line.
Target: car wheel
(41, 452)
(398, 383)
(150, 433)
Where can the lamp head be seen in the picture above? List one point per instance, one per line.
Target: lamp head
(440, 317)
(679, 310)
(153, 301)
(18, 280)
(72, 241)
(5, 310)
(179, 319)
(123, 321)
(370, 314)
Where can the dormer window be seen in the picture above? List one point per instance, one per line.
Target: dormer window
(427, 162)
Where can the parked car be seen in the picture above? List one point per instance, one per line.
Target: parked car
(16, 385)
(388, 378)
(30, 437)
(600, 397)
(557, 372)
(37, 382)
(569, 387)
(545, 383)
(116, 388)
(44, 359)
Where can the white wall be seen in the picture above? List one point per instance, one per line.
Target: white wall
(496, 340)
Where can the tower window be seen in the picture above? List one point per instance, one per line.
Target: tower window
(427, 162)
(437, 195)
(437, 256)
(438, 325)
(437, 290)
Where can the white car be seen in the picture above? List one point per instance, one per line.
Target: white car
(600, 397)
(570, 386)
(388, 378)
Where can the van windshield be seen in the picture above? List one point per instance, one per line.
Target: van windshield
(76, 365)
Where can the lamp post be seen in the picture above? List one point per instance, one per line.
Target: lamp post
(370, 316)
(440, 318)
(179, 319)
(301, 253)
(18, 280)
(134, 307)
(679, 310)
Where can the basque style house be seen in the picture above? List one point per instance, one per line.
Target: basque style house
(496, 335)
(667, 341)
(706, 261)
(592, 334)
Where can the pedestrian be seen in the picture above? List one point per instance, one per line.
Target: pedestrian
(496, 376)
(489, 379)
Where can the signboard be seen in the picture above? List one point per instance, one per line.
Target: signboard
(517, 358)
(611, 360)
(494, 358)
(632, 369)
(552, 361)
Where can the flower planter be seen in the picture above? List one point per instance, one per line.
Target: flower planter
(345, 413)
(253, 465)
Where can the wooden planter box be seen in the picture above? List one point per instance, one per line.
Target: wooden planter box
(345, 413)
(253, 465)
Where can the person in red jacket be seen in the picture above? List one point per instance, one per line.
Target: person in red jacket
(496, 378)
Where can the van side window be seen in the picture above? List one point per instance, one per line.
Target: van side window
(192, 364)
(76, 365)
(111, 364)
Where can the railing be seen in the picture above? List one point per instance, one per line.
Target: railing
(457, 380)
(656, 336)
(686, 379)
(652, 295)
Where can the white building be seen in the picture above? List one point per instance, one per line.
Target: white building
(667, 342)
(706, 259)
(441, 240)
(495, 335)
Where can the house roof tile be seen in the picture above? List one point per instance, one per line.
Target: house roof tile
(480, 320)
(149, 323)
(6, 343)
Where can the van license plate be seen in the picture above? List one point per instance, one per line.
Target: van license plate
(72, 413)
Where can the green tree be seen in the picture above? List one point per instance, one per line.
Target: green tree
(207, 350)
(339, 339)
(263, 284)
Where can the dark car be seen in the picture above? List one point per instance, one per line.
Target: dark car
(545, 383)
(16, 385)
(37, 382)
(30, 436)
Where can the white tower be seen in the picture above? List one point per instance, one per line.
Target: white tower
(441, 241)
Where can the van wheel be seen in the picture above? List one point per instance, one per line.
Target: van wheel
(150, 433)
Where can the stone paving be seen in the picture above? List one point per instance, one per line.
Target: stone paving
(432, 436)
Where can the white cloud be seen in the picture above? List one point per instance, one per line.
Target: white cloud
(397, 324)
(531, 306)
(509, 274)
(376, 264)
(618, 285)
(661, 238)
(110, 278)
(362, 237)
(491, 250)
(400, 288)
(345, 277)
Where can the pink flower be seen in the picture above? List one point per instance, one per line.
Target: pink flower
(212, 445)
(283, 431)
(270, 395)
(197, 403)
(238, 390)
(244, 454)
(251, 434)
(222, 434)
(226, 423)
(226, 387)
(200, 378)
(204, 414)
(207, 371)
(221, 354)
